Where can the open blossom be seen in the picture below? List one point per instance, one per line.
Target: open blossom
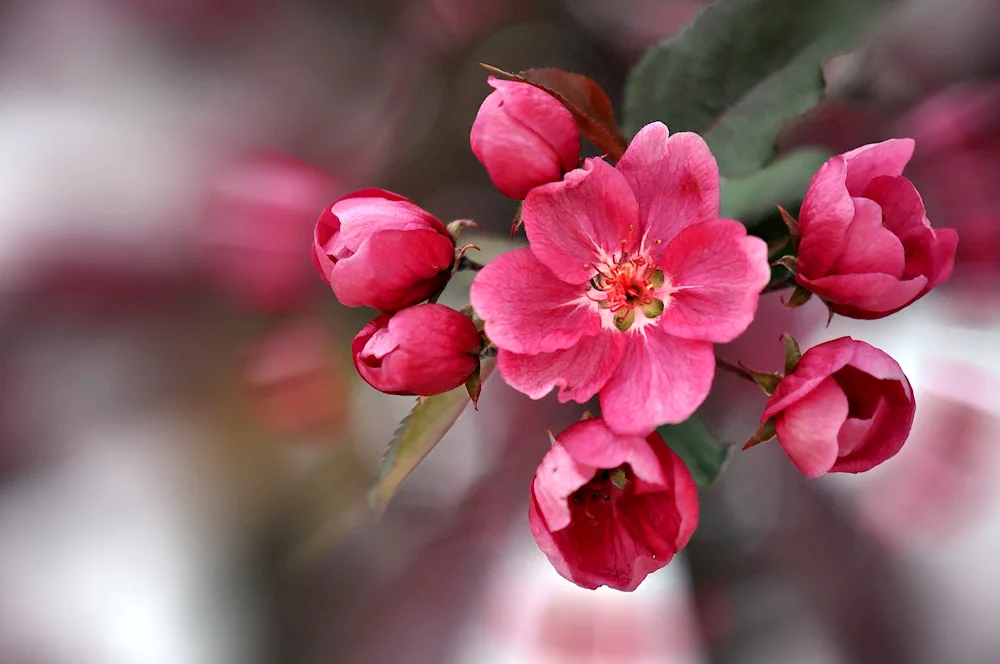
(608, 509)
(846, 408)
(377, 249)
(630, 279)
(867, 247)
(524, 137)
(422, 350)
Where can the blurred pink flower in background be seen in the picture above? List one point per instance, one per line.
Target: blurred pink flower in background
(524, 137)
(630, 279)
(256, 230)
(846, 408)
(955, 166)
(295, 383)
(377, 249)
(867, 247)
(607, 509)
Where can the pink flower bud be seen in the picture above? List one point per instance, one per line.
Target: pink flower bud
(422, 350)
(846, 408)
(867, 247)
(524, 137)
(608, 509)
(379, 250)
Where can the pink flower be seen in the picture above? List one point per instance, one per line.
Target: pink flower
(846, 408)
(630, 279)
(422, 350)
(608, 509)
(258, 216)
(524, 137)
(379, 250)
(867, 247)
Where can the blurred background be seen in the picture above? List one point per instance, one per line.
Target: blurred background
(185, 447)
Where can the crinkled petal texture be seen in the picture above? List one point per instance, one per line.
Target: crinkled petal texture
(867, 247)
(597, 534)
(524, 137)
(611, 244)
(675, 180)
(847, 407)
(422, 350)
(377, 249)
(527, 309)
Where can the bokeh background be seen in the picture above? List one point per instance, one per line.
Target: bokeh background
(184, 445)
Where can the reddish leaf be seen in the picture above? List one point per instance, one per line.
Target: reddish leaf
(584, 98)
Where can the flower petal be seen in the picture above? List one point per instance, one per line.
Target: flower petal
(685, 490)
(660, 379)
(419, 260)
(580, 371)
(675, 180)
(826, 212)
(817, 363)
(589, 215)
(717, 272)
(527, 309)
(368, 211)
(865, 296)
(904, 214)
(946, 243)
(807, 430)
(870, 161)
(868, 245)
(543, 537)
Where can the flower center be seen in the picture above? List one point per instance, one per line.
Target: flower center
(626, 285)
(602, 491)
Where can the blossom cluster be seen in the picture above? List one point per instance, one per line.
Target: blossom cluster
(630, 277)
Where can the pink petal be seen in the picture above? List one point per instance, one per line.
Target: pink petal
(866, 296)
(369, 211)
(885, 436)
(527, 309)
(868, 245)
(827, 211)
(855, 433)
(558, 476)
(817, 364)
(807, 430)
(544, 115)
(675, 180)
(946, 243)
(869, 161)
(418, 259)
(593, 443)
(571, 224)
(718, 273)
(685, 490)
(524, 137)
(660, 379)
(877, 363)
(543, 537)
(580, 371)
(904, 214)
(647, 529)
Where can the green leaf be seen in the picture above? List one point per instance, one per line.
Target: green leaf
(741, 71)
(704, 456)
(416, 436)
(754, 198)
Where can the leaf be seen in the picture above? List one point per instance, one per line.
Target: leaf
(584, 98)
(704, 456)
(416, 436)
(741, 71)
(752, 199)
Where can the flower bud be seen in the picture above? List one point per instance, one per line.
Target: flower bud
(846, 408)
(379, 250)
(524, 137)
(421, 350)
(866, 246)
(608, 509)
